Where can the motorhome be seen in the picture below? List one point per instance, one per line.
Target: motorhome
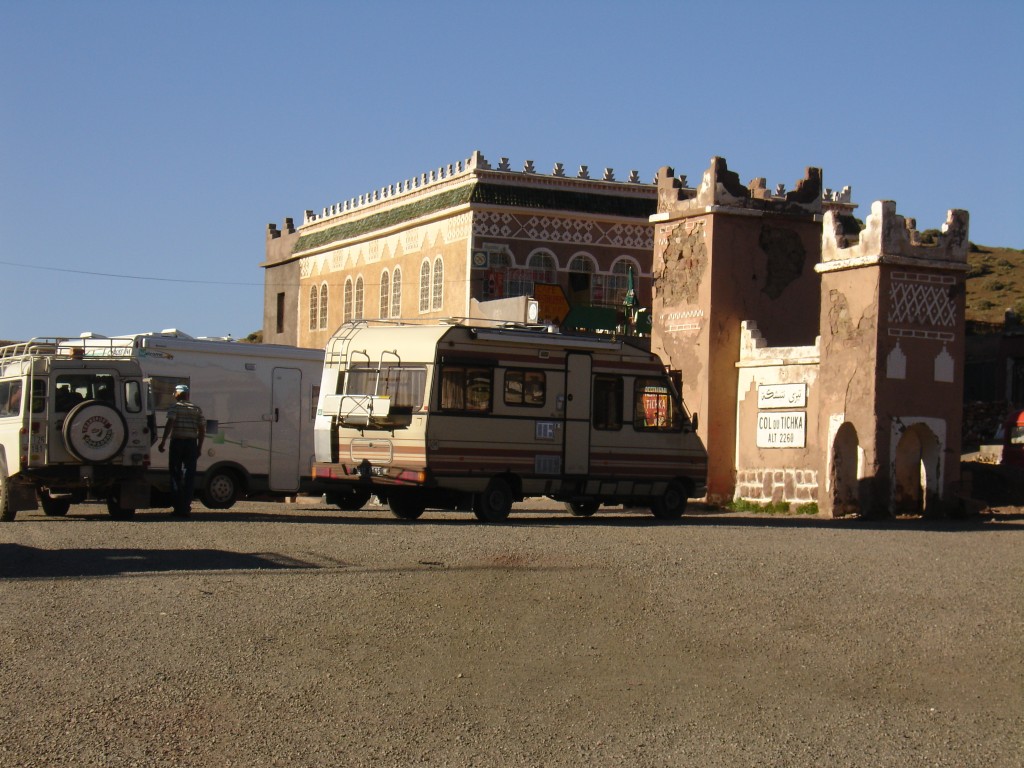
(258, 400)
(71, 428)
(464, 416)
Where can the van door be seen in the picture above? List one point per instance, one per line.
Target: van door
(285, 429)
(577, 414)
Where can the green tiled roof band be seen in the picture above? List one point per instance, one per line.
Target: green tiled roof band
(486, 194)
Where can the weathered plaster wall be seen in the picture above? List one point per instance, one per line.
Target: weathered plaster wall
(778, 472)
(892, 357)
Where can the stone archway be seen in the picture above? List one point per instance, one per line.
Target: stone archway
(845, 455)
(916, 472)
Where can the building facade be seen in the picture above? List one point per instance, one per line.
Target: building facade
(824, 357)
(825, 360)
(437, 245)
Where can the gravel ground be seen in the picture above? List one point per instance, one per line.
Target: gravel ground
(297, 635)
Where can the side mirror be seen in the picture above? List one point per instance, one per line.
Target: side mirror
(694, 421)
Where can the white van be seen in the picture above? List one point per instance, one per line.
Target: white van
(72, 427)
(259, 401)
(469, 416)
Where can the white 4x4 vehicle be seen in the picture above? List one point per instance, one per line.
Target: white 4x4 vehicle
(72, 427)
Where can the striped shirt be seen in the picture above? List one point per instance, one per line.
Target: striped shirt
(186, 420)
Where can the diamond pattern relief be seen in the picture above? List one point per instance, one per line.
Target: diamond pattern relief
(919, 303)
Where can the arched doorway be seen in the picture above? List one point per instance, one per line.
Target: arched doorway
(916, 472)
(845, 454)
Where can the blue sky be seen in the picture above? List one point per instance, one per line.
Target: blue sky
(157, 140)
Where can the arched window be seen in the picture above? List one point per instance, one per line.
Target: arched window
(618, 280)
(541, 267)
(314, 314)
(396, 293)
(323, 305)
(385, 294)
(347, 301)
(359, 298)
(437, 285)
(585, 285)
(425, 286)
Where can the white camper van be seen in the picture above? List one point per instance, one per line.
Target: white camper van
(259, 401)
(463, 416)
(71, 427)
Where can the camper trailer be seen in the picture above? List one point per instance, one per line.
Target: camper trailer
(258, 400)
(463, 416)
(71, 428)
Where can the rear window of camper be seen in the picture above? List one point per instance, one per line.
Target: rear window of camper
(404, 384)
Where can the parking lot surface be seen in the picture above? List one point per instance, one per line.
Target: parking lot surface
(299, 635)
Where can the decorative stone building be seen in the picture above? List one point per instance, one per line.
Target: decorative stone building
(437, 245)
(825, 360)
(857, 402)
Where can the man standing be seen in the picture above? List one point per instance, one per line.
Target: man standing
(186, 428)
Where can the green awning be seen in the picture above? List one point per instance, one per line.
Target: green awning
(592, 319)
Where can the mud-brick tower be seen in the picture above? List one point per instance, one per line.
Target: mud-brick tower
(891, 371)
(724, 253)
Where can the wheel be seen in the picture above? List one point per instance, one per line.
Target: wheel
(6, 512)
(582, 508)
(94, 432)
(221, 489)
(349, 500)
(494, 504)
(54, 507)
(671, 504)
(407, 505)
(114, 508)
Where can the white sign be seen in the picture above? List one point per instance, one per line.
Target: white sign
(781, 429)
(782, 396)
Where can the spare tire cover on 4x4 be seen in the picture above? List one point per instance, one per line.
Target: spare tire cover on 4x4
(94, 432)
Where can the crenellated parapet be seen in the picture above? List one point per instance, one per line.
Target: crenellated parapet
(888, 238)
(721, 188)
(475, 165)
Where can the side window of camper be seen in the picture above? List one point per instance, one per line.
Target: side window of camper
(654, 407)
(162, 388)
(523, 387)
(607, 402)
(465, 388)
(10, 398)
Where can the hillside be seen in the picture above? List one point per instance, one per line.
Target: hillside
(995, 283)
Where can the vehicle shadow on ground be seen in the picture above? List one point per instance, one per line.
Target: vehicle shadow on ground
(697, 515)
(20, 562)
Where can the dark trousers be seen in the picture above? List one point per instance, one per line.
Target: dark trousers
(182, 457)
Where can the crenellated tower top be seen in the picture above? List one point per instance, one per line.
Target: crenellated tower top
(889, 238)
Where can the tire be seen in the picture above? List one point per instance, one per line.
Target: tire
(408, 505)
(671, 504)
(114, 508)
(53, 507)
(94, 432)
(349, 501)
(495, 503)
(582, 508)
(6, 513)
(221, 489)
